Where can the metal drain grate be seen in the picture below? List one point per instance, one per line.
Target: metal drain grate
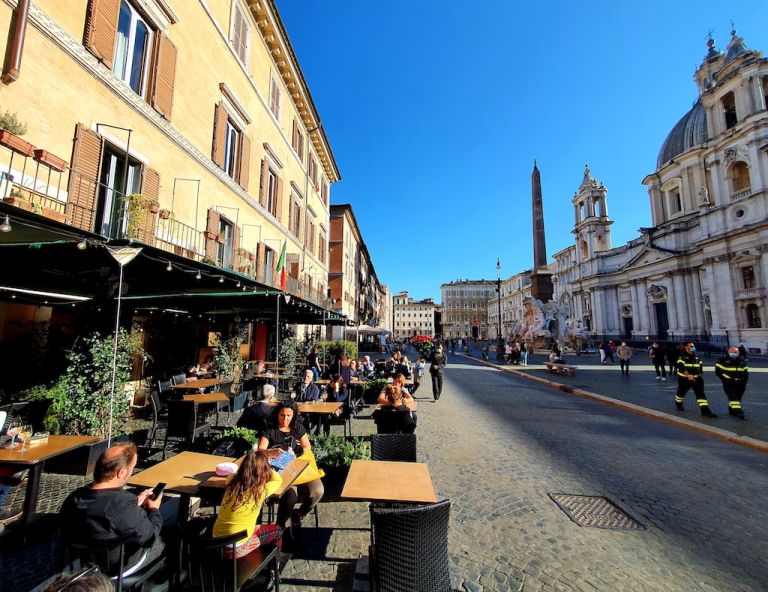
(595, 511)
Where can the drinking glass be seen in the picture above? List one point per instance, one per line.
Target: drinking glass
(14, 429)
(25, 434)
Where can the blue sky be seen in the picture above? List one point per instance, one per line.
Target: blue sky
(435, 111)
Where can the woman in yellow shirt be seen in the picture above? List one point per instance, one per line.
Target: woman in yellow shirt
(243, 497)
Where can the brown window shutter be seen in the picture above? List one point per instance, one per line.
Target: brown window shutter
(150, 186)
(243, 175)
(83, 187)
(235, 238)
(278, 213)
(293, 269)
(260, 260)
(101, 29)
(294, 141)
(219, 134)
(164, 76)
(263, 184)
(211, 235)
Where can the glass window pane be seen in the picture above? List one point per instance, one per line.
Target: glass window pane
(140, 48)
(121, 45)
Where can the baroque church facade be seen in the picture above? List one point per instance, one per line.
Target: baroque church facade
(700, 272)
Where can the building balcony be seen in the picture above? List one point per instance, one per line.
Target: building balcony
(741, 193)
(749, 293)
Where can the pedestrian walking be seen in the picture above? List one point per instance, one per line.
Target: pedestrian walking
(523, 353)
(672, 353)
(733, 371)
(601, 350)
(437, 360)
(625, 353)
(659, 361)
(690, 375)
(418, 373)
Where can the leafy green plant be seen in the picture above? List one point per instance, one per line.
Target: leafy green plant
(333, 348)
(289, 354)
(228, 360)
(138, 205)
(373, 388)
(250, 436)
(10, 122)
(88, 380)
(56, 392)
(337, 451)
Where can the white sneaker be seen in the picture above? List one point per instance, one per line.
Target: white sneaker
(658, 378)
(664, 378)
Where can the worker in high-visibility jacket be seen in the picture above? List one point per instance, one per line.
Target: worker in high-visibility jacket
(690, 375)
(734, 372)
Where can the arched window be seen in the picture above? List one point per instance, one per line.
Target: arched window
(584, 250)
(753, 317)
(729, 110)
(739, 177)
(673, 197)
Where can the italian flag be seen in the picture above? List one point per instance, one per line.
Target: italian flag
(281, 267)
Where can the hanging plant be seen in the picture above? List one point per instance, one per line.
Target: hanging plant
(138, 205)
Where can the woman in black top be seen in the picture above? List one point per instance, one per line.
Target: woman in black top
(287, 433)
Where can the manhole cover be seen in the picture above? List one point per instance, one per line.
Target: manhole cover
(595, 511)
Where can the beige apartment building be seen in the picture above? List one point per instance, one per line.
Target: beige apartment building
(184, 127)
(413, 317)
(465, 308)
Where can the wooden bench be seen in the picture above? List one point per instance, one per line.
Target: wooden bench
(561, 369)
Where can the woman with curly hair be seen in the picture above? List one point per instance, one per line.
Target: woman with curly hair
(244, 495)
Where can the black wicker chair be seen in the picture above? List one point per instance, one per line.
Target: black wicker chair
(183, 423)
(179, 379)
(399, 447)
(410, 548)
(209, 567)
(109, 556)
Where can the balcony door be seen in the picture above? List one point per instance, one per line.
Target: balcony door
(112, 210)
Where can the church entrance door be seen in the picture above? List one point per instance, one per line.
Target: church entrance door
(662, 320)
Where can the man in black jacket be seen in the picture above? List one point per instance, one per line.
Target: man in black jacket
(105, 511)
(734, 372)
(438, 360)
(259, 416)
(690, 375)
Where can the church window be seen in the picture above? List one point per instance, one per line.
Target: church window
(753, 317)
(748, 277)
(765, 91)
(729, 110)
(675, 201)
(739, 176)
(584, 250)
(582, 212)
(599, 208)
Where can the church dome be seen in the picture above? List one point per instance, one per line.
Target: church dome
(690, 131)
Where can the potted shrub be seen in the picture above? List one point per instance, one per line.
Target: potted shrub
(372, 390)
(17, 199)
(11, 127)
(138, 204)
(165, 214)
(334, 454)
(228, 361)
(81, 404)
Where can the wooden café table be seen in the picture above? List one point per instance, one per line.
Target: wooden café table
(207, 398)
(187, 472)
(198, 385)
(34, 459)
(320, 407)
(389, 481)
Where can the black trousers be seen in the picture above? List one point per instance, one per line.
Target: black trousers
(684, 385)
(661, 369)
(734, 391)
(437, 384)
(624, 365)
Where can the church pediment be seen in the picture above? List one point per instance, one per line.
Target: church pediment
(646, 256)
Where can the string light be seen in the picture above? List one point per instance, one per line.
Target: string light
(169, 267)
(82, 245)
(221, 279)
(198, 276)
(6, 225)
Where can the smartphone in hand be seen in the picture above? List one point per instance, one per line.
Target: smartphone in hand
(159, 488)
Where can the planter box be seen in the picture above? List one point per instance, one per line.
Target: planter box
(16, 144)
(51, 160)
(19, 203)
(333, 482)
(80, 461)
(54, 215)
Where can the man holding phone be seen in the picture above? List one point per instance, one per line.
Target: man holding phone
(104, 510)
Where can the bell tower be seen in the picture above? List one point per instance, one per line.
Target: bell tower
(592, 227)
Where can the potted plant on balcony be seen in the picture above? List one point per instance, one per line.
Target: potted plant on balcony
(138, 205)
(11, 127)
(165, 214)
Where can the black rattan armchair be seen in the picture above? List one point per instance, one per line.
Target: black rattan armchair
(410, 548)
(399, 447)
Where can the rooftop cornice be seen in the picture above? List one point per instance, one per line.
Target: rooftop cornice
(273, 32)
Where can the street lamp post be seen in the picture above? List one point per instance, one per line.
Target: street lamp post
(499, 339)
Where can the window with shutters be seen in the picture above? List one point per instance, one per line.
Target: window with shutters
(271, 192)
(132, 48)
(310, 244)
(274, 96)
(117, 181)
(240, 34)
(294, 216)
(231, 149)
(313, 170)
(226, 236)
(321, 248)
(324, 190)
(298, 140)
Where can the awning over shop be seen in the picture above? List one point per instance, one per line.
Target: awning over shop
(49, 263)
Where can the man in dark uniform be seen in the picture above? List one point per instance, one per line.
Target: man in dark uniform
(690, 374)
(733, 371)
(438, 360)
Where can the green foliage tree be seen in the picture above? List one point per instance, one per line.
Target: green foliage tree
(229, 362)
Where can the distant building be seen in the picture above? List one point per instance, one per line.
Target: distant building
(465, 308)
(413, 317)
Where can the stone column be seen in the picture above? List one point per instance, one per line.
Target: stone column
(672, 305)
(698, 306)
(757, 88)
(681, 301)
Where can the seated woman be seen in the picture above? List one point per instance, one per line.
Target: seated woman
(399, 382)
(394, 416)
(337, 393)
(287, 433)
(244, 495)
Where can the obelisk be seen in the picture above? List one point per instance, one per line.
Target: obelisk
(541, 278)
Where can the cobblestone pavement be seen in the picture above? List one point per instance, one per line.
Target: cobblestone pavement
(497, 445)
